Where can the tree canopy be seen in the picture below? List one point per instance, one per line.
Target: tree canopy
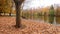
(5, 5)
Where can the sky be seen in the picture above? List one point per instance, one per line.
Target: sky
(39, 3)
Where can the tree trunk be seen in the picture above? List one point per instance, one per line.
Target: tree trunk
(9, 14)
(0, 14)
(18, 11)
(18, 20)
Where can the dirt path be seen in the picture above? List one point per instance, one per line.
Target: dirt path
(28, 27)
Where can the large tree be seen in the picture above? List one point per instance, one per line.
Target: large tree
(18, 4)
(51, 12)
(5, 6)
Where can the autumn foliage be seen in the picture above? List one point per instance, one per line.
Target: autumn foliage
(5, 6)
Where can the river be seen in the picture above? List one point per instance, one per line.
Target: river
(49, 19)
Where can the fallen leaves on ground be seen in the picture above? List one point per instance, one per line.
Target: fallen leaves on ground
(28, 27)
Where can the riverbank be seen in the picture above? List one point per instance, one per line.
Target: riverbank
(28, 27)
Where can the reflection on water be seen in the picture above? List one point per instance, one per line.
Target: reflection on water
(49, 19)
(58, 20)
(52, 19)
